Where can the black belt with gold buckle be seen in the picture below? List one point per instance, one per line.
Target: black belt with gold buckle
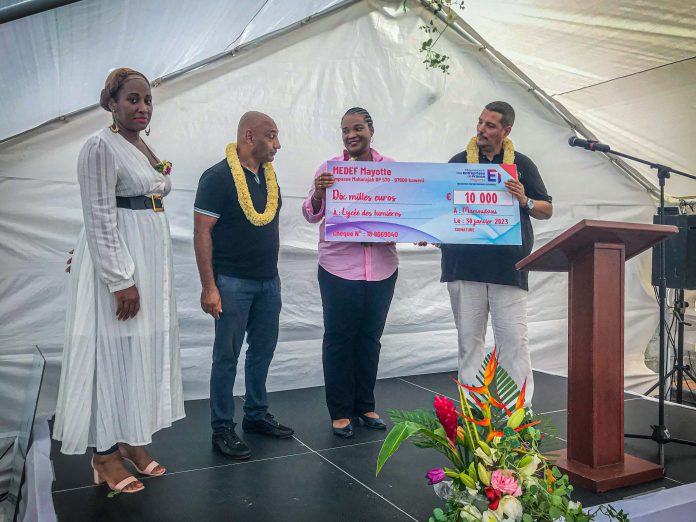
(153, 203)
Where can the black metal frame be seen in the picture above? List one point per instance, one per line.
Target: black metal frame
(678, 367)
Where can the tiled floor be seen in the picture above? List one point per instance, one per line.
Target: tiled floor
(317, 476)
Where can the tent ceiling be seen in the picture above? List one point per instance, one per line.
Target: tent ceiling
(625, 68)
(566, 45)
(54, 63)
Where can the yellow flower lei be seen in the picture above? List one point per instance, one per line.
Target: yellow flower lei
(472, 151)
(243, 195)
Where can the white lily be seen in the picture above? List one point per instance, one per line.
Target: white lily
(490, 516)
(470, 513)
(531, 468)
(511, 507)
(473, 492)
(482, 455)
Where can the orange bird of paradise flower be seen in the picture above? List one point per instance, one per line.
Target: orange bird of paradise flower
(488, 376)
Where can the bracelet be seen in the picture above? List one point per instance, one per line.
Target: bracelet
(315, 199)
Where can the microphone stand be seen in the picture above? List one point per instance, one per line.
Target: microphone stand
(678, 367)
(660, 433)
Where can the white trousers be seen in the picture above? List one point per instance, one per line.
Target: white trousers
(471, 304)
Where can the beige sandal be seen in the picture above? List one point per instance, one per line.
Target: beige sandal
(148, 469)
(120, 487)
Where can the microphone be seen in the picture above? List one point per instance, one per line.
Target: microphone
(594, 146)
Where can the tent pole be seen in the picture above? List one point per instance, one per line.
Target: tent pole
(226, 54)
(254, 43)
(26, 8)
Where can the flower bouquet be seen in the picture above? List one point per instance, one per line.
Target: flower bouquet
(498, 472)
(164, 167)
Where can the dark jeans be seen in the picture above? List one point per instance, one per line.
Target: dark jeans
(252, 308)
(354, 316)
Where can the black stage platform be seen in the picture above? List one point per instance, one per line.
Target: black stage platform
(317, 476)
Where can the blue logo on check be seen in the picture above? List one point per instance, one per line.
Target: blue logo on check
(493, 176)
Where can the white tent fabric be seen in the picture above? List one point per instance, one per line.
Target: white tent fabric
(625, 68)
(361, 55)
(50, 60)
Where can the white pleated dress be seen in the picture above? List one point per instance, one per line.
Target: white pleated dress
(120, 380)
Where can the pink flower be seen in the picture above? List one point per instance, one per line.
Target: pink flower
(435, 475)
(447, 415)
(503, 480)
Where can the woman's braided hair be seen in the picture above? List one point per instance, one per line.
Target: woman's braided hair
(363, 113)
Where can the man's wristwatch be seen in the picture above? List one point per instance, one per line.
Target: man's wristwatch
(530, 204)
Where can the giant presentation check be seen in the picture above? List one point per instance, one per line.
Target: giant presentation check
(411, 202)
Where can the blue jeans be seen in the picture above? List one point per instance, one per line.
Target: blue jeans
(252, 308)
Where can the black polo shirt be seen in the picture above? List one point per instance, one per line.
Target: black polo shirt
(496, 263)
(240, 249)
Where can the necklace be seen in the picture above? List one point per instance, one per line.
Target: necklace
(472, 151)
(243, 195)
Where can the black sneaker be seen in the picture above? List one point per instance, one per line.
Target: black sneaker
(226, 442)
(267, 426)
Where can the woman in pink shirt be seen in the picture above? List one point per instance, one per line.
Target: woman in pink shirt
(356, 281)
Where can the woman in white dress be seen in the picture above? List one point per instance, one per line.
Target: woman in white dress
(121, 377)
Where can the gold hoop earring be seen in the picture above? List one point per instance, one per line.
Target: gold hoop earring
(114, 127)
(147, 131)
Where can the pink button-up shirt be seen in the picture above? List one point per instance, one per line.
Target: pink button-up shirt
(350, 260)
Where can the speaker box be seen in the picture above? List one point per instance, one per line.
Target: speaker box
(680, 252)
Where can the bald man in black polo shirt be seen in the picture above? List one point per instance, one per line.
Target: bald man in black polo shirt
(482, 279)
(236, 242)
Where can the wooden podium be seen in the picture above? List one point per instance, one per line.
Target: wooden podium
(594, 253)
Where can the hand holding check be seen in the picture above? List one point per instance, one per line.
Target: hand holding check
(517, 189)
(321, 183)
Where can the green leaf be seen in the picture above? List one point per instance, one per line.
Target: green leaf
(398, 434)
(502, 384)
(440, 432)
(555, 513)
(527, 518)
(556, 472)
(426, 418)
